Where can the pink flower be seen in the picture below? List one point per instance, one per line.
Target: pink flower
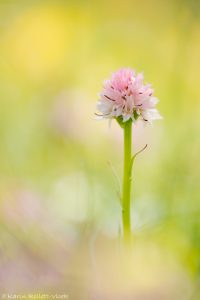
(125, 96)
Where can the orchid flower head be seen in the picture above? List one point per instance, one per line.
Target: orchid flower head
(125, 97)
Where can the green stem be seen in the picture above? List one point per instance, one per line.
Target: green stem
(126, 190)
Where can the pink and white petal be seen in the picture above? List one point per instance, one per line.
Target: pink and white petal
(104, 106)
(154, 114)
(126, 117)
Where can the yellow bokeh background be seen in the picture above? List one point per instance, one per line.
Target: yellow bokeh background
(60, 169)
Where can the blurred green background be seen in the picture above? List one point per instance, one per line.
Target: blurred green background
(59, 168)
